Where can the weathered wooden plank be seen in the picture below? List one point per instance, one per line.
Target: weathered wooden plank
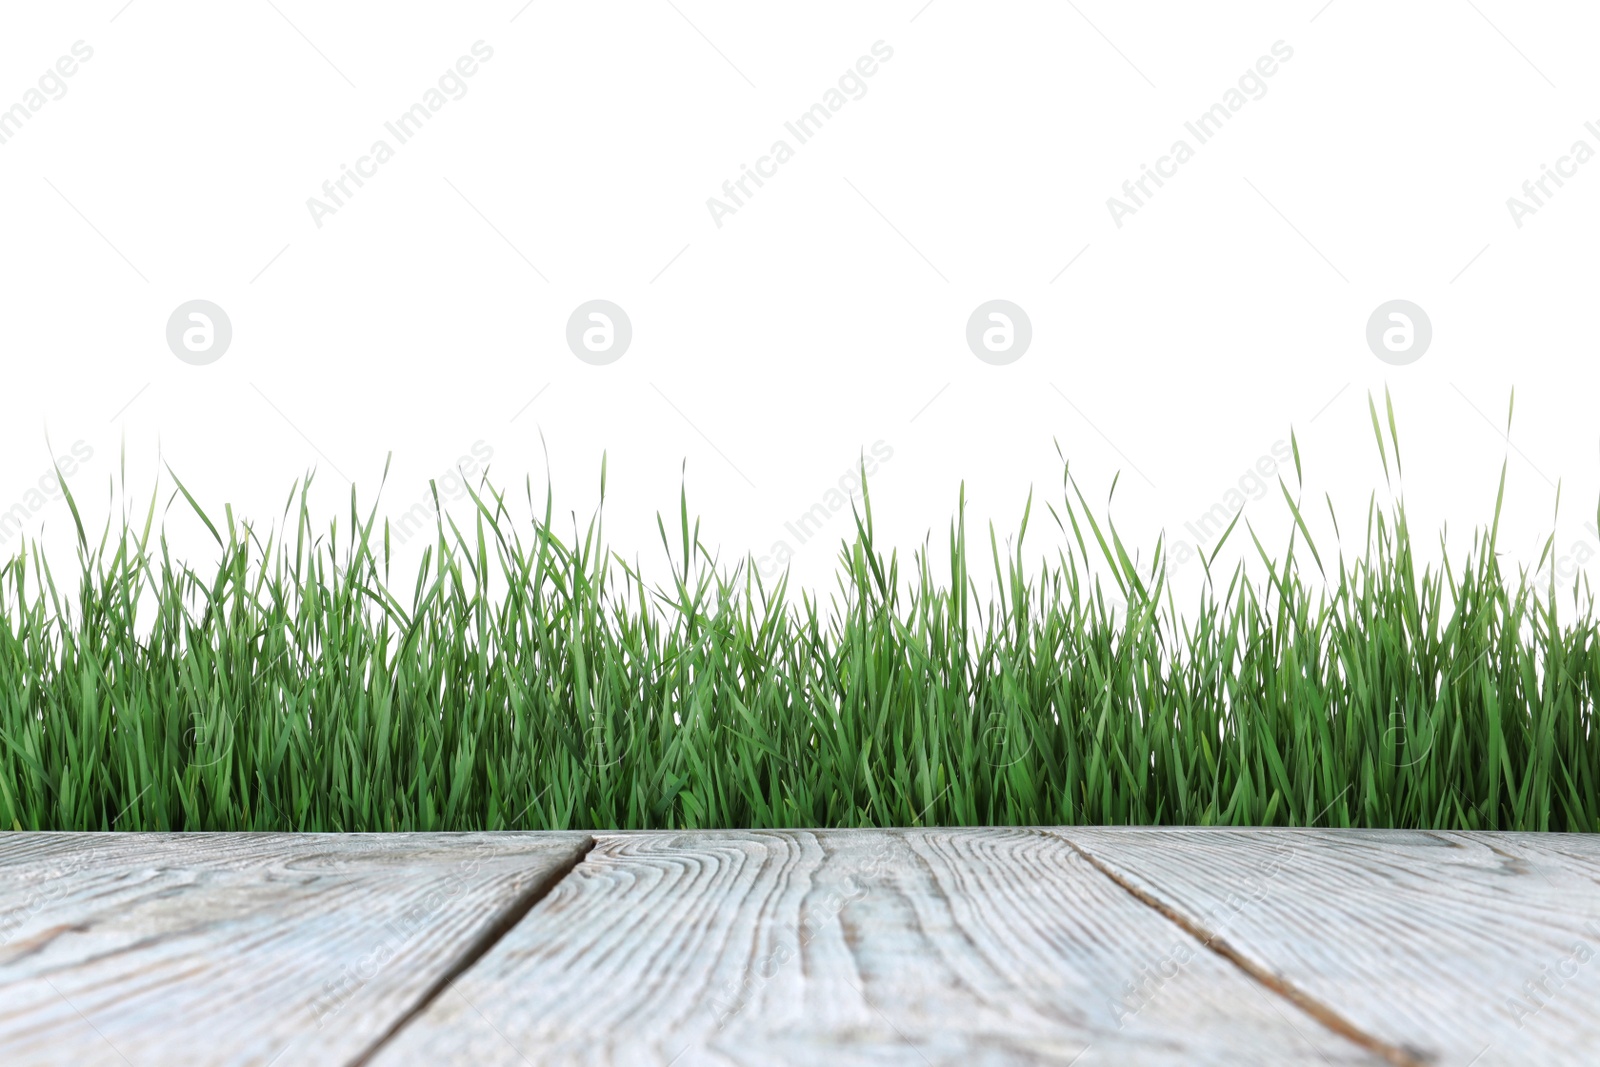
(852, 947)
(1472, 948)
(242, 948)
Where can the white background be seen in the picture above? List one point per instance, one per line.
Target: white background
(428, 314)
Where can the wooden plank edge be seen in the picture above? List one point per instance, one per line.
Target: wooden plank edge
(1325, 1014)
(490, 936)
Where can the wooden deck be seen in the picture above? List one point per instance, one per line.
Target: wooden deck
(914, 947)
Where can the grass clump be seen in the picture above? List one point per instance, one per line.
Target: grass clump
(527, 680)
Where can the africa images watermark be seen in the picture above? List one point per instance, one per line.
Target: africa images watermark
(1209, 123)
(403, 128)
(1567, 566)
(810, 522)
(48, 487)
(802, 129)
(52, 82)
(1566, 167)
(423, 516)
(1253, 484)
(1540, 990)
(37, 898)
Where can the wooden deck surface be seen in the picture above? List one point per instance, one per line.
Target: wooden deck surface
(1050, 946)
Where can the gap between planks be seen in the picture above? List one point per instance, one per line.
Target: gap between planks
(514, 913)
(1273, 983)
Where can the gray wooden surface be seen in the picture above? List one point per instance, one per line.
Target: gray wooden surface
(1473, 948)
(157, 949)
(863, 946)
(1051, 946)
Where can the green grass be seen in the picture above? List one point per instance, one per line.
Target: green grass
(526, 680)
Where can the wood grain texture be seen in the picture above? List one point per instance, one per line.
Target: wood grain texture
(1480, 948)
(158, 949)
(852, 947)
